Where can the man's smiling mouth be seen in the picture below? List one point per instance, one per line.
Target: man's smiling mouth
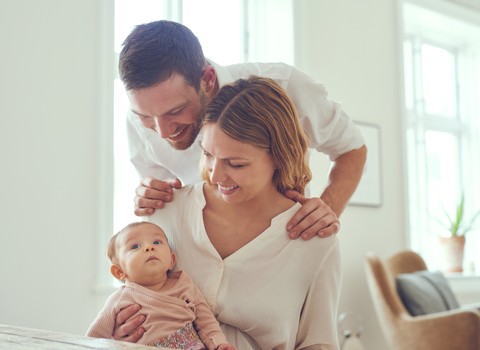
(178, 133)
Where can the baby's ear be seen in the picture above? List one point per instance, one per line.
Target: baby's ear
(174, 261)
(117, 272)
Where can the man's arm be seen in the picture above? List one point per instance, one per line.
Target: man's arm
(319, 216)
(344, 177)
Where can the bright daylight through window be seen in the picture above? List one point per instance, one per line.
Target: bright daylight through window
(442, 90)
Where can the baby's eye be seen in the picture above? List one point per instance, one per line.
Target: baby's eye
(157, 242)
(134, 246)
(206, 154)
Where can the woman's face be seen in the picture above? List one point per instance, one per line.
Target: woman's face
(240, 171)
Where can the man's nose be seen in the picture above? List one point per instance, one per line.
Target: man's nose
(162, 127)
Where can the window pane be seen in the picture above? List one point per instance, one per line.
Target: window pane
(443, 176)
(439, 81)
(131, 13)
(221, 36)
(408, 74)
(127, 15)
(125, 175)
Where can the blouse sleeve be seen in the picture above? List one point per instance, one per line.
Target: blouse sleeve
(318, 320)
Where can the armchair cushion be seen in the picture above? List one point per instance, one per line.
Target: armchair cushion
(425, 292)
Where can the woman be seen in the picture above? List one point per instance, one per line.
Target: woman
(267, 291)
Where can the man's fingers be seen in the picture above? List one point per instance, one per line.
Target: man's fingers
(329, 230)
(143, 202)
(295, 196)
(313, 219)
(161, 185)
(303, 219)
(143, 211)
(152, 193)
(175, 183)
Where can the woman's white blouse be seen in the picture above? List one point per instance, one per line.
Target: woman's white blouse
(273, 293)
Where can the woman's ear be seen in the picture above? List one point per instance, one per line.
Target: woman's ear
(117, 272)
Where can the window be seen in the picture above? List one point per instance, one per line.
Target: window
(442, 124)
(230, 32)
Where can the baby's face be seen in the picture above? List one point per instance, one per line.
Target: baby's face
(144, 254)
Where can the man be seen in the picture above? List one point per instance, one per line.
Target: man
(170, 83)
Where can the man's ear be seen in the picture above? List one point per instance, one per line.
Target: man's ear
(209, 78)
(117, 272)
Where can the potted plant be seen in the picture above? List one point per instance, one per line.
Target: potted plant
(453, 245)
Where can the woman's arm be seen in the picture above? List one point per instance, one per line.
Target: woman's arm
(318, 321)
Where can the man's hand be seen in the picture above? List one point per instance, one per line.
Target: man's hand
(127, 327)
(153, 194)
(314, 218)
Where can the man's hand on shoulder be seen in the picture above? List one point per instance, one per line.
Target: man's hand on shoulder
(153, 194)
(314, 218)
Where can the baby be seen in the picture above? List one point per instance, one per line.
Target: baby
(177, 314)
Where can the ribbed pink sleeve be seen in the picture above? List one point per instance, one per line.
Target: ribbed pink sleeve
(165, 312)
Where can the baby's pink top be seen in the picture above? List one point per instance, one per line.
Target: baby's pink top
(166, 312)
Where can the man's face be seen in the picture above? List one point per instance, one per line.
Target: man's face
(172, 108)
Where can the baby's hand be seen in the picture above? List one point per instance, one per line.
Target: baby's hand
(226, 346)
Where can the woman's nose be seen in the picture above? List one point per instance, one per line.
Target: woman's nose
(217, 173)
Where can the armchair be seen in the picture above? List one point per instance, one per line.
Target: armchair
(447, 330)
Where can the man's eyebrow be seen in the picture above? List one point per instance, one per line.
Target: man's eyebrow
(172, 110)
(140, 114)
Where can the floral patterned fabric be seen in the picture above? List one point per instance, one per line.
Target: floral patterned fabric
(184, 338)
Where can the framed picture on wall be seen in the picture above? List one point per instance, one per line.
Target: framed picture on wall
(369, 190)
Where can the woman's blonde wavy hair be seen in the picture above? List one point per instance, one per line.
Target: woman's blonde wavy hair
(258, 111)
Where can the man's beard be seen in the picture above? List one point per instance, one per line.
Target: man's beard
(195, 127)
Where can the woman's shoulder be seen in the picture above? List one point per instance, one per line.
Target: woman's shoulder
(318, 250)
(184, 199)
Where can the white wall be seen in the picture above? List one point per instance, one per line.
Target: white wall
(51, 96)
(351, 47)
(54, 102)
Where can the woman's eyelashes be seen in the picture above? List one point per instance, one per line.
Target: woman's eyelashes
(235, 165)
(227, 161)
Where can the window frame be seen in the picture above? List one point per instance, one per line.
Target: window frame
(464, 127)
